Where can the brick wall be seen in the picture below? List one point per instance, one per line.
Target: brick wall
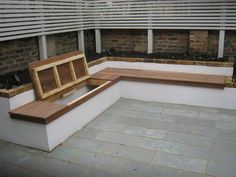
(198, 42)
(89, 41)
(171, 41)
(230, 44)
(16, 54)
(124, 40)
(213, 42)
(61, 43)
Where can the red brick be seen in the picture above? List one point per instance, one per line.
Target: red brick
(15, 50)
(198, 42)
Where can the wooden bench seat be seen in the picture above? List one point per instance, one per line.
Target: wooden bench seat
(38, 111)
(45, 112)
(207, 80)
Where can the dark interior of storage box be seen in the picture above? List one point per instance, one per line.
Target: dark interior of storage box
(76, 94)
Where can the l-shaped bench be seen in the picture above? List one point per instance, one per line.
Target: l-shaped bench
(45, 111)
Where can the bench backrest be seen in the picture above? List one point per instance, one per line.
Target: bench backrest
(55, 74)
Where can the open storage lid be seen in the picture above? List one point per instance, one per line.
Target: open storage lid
(55, 74)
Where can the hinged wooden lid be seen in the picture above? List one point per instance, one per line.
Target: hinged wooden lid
(55, 74)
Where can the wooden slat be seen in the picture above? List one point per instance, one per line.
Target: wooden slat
(61, 74)
(56, 75)
(53, 59)
(37, 87)
(72, 70)
(64, 60)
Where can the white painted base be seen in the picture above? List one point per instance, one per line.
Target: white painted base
(22, 99)
(47, 137)
(62, 128)
(17, 131)
(180, 94)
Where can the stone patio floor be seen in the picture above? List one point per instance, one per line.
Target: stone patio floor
(136, 139)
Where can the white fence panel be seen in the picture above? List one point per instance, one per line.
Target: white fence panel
(25, 18)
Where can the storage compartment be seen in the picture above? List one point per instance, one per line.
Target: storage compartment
(76, 94)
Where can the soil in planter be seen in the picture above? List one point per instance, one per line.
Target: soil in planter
(93, 56)
(14, 79)
(174, 56)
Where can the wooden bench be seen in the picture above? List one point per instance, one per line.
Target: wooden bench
(45, 110)
(204, 80)
(53, 79)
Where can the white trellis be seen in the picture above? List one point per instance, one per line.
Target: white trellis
(27, 18)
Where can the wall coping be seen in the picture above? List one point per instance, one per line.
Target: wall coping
(162, 61)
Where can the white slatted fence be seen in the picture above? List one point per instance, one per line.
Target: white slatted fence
(25, 18)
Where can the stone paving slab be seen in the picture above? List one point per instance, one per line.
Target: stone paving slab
(226, 117)
(188, 138)
(137, 139)
(227, 112)
(86, 144)
(221, 169)
(211, 154)
(121, 112)
(192, 108)
(12, 171)
(95, 172)
(139, 169)
(88, 133)
(120, 104)
(152, 115)
(61, 153)
(180, 128)
(138, 122)
(138, 106)
(226, 125)
(163, 123)
(101, 125)
(139, 131)
(217, 116)
(191, 121)
(180, 112)
(214, 132)
(97, 160)
(129, 152)
(180, 162)
(161, 145)
(4, 145)
(147, 108)
(182, 173)
(40, 164)
(224, 144)
(118, 138)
